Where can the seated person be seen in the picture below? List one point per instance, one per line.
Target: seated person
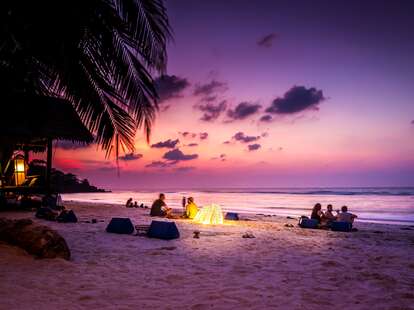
(191, 208)
(129, 203)
(159, 207)
(345, 216)
(328, 217)
(317, 212)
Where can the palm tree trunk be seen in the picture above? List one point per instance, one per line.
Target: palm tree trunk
(49, 165)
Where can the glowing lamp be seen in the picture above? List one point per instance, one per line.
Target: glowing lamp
(211, 214)
(19, 169)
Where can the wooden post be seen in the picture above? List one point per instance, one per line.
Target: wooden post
(49, 165)
(26, 161)
(1, 169)
(26, 156)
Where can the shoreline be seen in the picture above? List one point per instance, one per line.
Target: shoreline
(281, 268)
(246, 216)
(252, 213)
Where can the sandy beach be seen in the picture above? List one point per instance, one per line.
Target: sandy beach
(281, 268)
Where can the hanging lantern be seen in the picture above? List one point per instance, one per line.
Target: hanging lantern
(211, 214)
(19, 169)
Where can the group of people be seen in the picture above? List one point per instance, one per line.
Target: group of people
(131, 204)
(190, 209)
(327, 217)
(160, 208)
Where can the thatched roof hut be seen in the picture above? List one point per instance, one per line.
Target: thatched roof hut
(31, 123)
(26, 119)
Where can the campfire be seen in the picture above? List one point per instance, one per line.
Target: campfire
(210, 214)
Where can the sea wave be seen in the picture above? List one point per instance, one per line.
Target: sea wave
(358, 192)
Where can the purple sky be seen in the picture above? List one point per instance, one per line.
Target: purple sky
(276, 93)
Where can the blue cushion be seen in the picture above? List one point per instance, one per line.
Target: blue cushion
(120, 226)
(232, 216)
(42, 212)
(341, 226)
(67, 217)
(163, 230)
(308, 223)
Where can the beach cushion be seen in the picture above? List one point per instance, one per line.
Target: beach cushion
(341, 226)
(52, 201)
(232, 216)
(163, 230)
(67, 217)
(119, 225)
(308, 223)
(46, 214)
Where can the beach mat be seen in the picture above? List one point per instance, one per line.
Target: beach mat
(308, 223)
(163, 230)
(341, 226)
(119, 225)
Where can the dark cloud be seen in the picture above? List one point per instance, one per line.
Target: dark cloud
(193, 135)
(192, 144)
(184, 169)
(109, 169)
(211, 111)
(98, 165)
(177, 155)
(243, 110)
(69, 145)
(95, 162)
(208, 93)
(203, 135)
(209, 98)
(222, 157)
(297, 99)
(240, 136)
(170, 86)
(266, 118)
(160, 164)
(226, 142)
(187, 134)
(206, 90)
(170, 144)
(265, 135)
(267, 40)
(254, 147)
(412, 122)
(130, 156)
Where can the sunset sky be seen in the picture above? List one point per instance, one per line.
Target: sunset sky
(275, 93)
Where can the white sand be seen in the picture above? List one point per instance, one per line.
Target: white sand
(282, 268)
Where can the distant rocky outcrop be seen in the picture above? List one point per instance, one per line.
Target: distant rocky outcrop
(38, 240)
(62, 182)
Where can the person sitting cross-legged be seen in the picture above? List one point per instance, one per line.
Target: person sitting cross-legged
(317, 213)
(159, 207)
(191, 208)
(328, 217)
(345, 216)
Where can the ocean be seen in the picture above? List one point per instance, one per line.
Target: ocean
(393, 205)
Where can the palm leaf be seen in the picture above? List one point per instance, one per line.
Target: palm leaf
(99, 54)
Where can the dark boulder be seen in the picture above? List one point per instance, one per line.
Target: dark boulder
(38, 240)
(46, 213)
(67, 216)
